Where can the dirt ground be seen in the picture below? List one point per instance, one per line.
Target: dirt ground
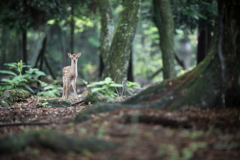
(190, 133)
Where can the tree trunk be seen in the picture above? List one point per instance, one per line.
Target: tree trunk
(201, 87)
(49, 68)
(72, 29)
(4, 38)
(63, 49)
(163, 19)
(101, 66)
(204, 38)
(119, 53)
(41, 54)
(130, 67)
(107, 30)
(24, 47)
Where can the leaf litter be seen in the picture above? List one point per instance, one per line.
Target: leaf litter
(141, 134)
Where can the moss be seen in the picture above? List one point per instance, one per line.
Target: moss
(56, 102)
(9, 96)
(95, 97)
(91, 98)
(81, 117)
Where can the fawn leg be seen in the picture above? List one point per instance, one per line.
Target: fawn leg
(64, 86)
(67, 89)
(74, 88)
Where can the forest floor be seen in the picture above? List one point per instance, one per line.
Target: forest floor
(184, 134)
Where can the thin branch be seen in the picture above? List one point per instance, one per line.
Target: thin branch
(76, 103)
(154, 74)
(179, 61)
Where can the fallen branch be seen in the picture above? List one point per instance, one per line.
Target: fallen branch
(76, 103)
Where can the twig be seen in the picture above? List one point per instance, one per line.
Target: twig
(76, 103)
(154, 74)
(179, 61)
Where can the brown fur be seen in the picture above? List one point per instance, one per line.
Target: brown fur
(70, 76)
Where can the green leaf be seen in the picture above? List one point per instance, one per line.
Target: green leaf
(6, 81)
(95, 84)
(8, 72)
(108, 80)
(85, 82)
(40, 73)
(48, 87)
(30, 89)
(97, 89)
(115, 85)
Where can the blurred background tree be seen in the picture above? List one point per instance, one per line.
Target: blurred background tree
(75, 26)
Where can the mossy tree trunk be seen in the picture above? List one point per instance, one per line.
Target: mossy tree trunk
(107, 28)
(163, 19)
(119, 52)
(203, 86)
(107, 31)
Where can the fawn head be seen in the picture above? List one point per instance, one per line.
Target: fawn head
(74, 57)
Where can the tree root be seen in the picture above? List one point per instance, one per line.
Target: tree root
(54, 141)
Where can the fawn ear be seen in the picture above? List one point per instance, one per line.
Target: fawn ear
(79, 54)
(69, 55)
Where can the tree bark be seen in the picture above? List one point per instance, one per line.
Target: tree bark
(49, 68)
(107, 31)
(119, 53)
(4, 37)
(24, 47)
(163, 19)
(72, 28)
(204, 38)
(42, 51)
(130, 67)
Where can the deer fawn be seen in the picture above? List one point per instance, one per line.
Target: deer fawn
(70, 76)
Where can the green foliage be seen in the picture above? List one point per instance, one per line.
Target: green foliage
(106, 87)
(32, 14)
(132, 85)
(19, 81)
(171, 151)
(50, 90)
(187, 13)
(43, 103)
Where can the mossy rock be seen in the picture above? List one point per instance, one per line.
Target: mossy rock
(96, 97)
(9, 96)
(56, 102)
